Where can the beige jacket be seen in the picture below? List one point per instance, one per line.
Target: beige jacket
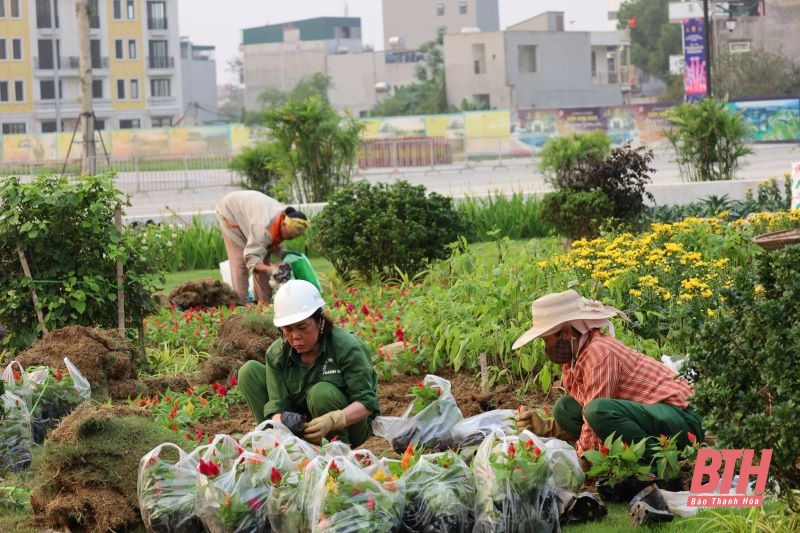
(245, 217)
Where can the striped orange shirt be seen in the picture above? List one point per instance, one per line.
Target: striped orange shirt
(606, 368)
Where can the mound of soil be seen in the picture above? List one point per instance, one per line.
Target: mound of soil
(204, 293)
(240, 339)
(106, 360)
(87, 473)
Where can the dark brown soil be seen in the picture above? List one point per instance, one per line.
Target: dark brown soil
(203, 293)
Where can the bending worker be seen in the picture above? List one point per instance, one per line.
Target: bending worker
(253, 227)
(317, 369)
(610, 387)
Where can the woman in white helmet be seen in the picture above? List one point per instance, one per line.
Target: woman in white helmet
(317, 369)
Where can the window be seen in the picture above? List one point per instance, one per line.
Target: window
(97, 88)
(118, 49)
(117, 9)
(526, 59)
(97, 60)
(46, 59)
(14, 9)
(94, 12)
(3, 53)
(131, 48)
(156, 16)
(99, 125)
(462, 8)
(121, 89)
(49, 126)
(479, 58)
(128, 123)
(44, 18)
(159, 58)
(162, 122)
(159, 87)
(131, 8)
(3, 91)
(134, 89)
(481, 101)
(47, 89)
(16, 49)
(19, 91)
(2, 8)
(11, 128)
(439, 10)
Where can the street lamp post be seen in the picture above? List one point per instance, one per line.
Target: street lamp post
(707, 40)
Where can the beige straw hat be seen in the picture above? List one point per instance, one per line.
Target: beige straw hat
(552, 311)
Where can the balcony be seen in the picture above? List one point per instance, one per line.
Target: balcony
(156, 62)
(64, 62)
(157, 23)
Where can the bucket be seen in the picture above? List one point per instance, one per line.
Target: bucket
(301, 268)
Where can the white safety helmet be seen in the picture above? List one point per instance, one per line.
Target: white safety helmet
(295, 301)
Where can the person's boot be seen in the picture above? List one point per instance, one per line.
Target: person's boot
(649, 507)
(578, 508)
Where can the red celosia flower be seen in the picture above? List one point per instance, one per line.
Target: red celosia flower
(692, 437)
(370, 502)
(222, 391)
(58, 374)
(275, 476)
(603, 450)
(398, 333)
(364, 309)
(512, 451)
(208, 468)
(233, 381)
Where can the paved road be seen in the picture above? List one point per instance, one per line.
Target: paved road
(201, 192)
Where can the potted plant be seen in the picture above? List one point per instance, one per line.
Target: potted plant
(619, 468)
(514, 485)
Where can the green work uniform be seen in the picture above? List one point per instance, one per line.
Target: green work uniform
(341, 374)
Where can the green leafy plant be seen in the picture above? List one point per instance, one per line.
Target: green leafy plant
(375, 230)
(76, 281)
(577, 214)
(617, 460)
(666, 456)
(568, 158)
(523, 465)
(745, 363)
(255, 165)
(708, 138)
(423, 394)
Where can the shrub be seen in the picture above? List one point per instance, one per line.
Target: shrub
(372, 229)
(517, 217)
(576, 214)
(567, 158)
(746, 363)
(255, 165)
(66, 231)
(708, 139)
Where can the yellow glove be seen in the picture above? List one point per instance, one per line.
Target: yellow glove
(523, 418)
(321, 426)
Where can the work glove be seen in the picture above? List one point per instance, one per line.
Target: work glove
(321, 426)
(530, 420)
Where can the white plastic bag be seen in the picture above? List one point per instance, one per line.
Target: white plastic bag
(166, 490)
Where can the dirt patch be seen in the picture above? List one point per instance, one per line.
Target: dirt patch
(203, 293)
(240, 338)
(106, 360)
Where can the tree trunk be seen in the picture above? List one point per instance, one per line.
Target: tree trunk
(88, 162)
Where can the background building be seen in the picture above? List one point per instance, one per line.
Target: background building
(409, 23)
(135, 54)
(198, 67)
(536, 64)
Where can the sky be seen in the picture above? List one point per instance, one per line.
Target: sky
(219, 23)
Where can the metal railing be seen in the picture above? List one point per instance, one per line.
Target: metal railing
(161, 62)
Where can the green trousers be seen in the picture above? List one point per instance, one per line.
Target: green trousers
(322, 397)
(632, 421)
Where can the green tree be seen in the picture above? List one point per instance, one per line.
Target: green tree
(756, 73)
(315, 85)
(654, 38)
(426, 97)
(566, 159)
(708, 139)
(65, 230)
(314, 148)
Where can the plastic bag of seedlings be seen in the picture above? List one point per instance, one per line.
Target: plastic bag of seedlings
(440, 494)
(341, 495)
(15, 434)
(514, 488)
(471, 431)
(18, 382)
(235, 501)
(285, 508)
(166, 487)
(427, 421)
(56, 394)
(566, 465)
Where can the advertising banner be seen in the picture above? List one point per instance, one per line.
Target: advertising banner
(695, 84)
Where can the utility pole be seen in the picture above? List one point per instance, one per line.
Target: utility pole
(707, 40)
(56, 61)
(88, 162)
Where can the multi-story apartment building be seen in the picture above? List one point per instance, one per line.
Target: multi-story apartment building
(198, 66)
(409, 23)
(136, 77)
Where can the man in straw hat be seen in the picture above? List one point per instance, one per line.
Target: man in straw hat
(253, 227)
(610, 387)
